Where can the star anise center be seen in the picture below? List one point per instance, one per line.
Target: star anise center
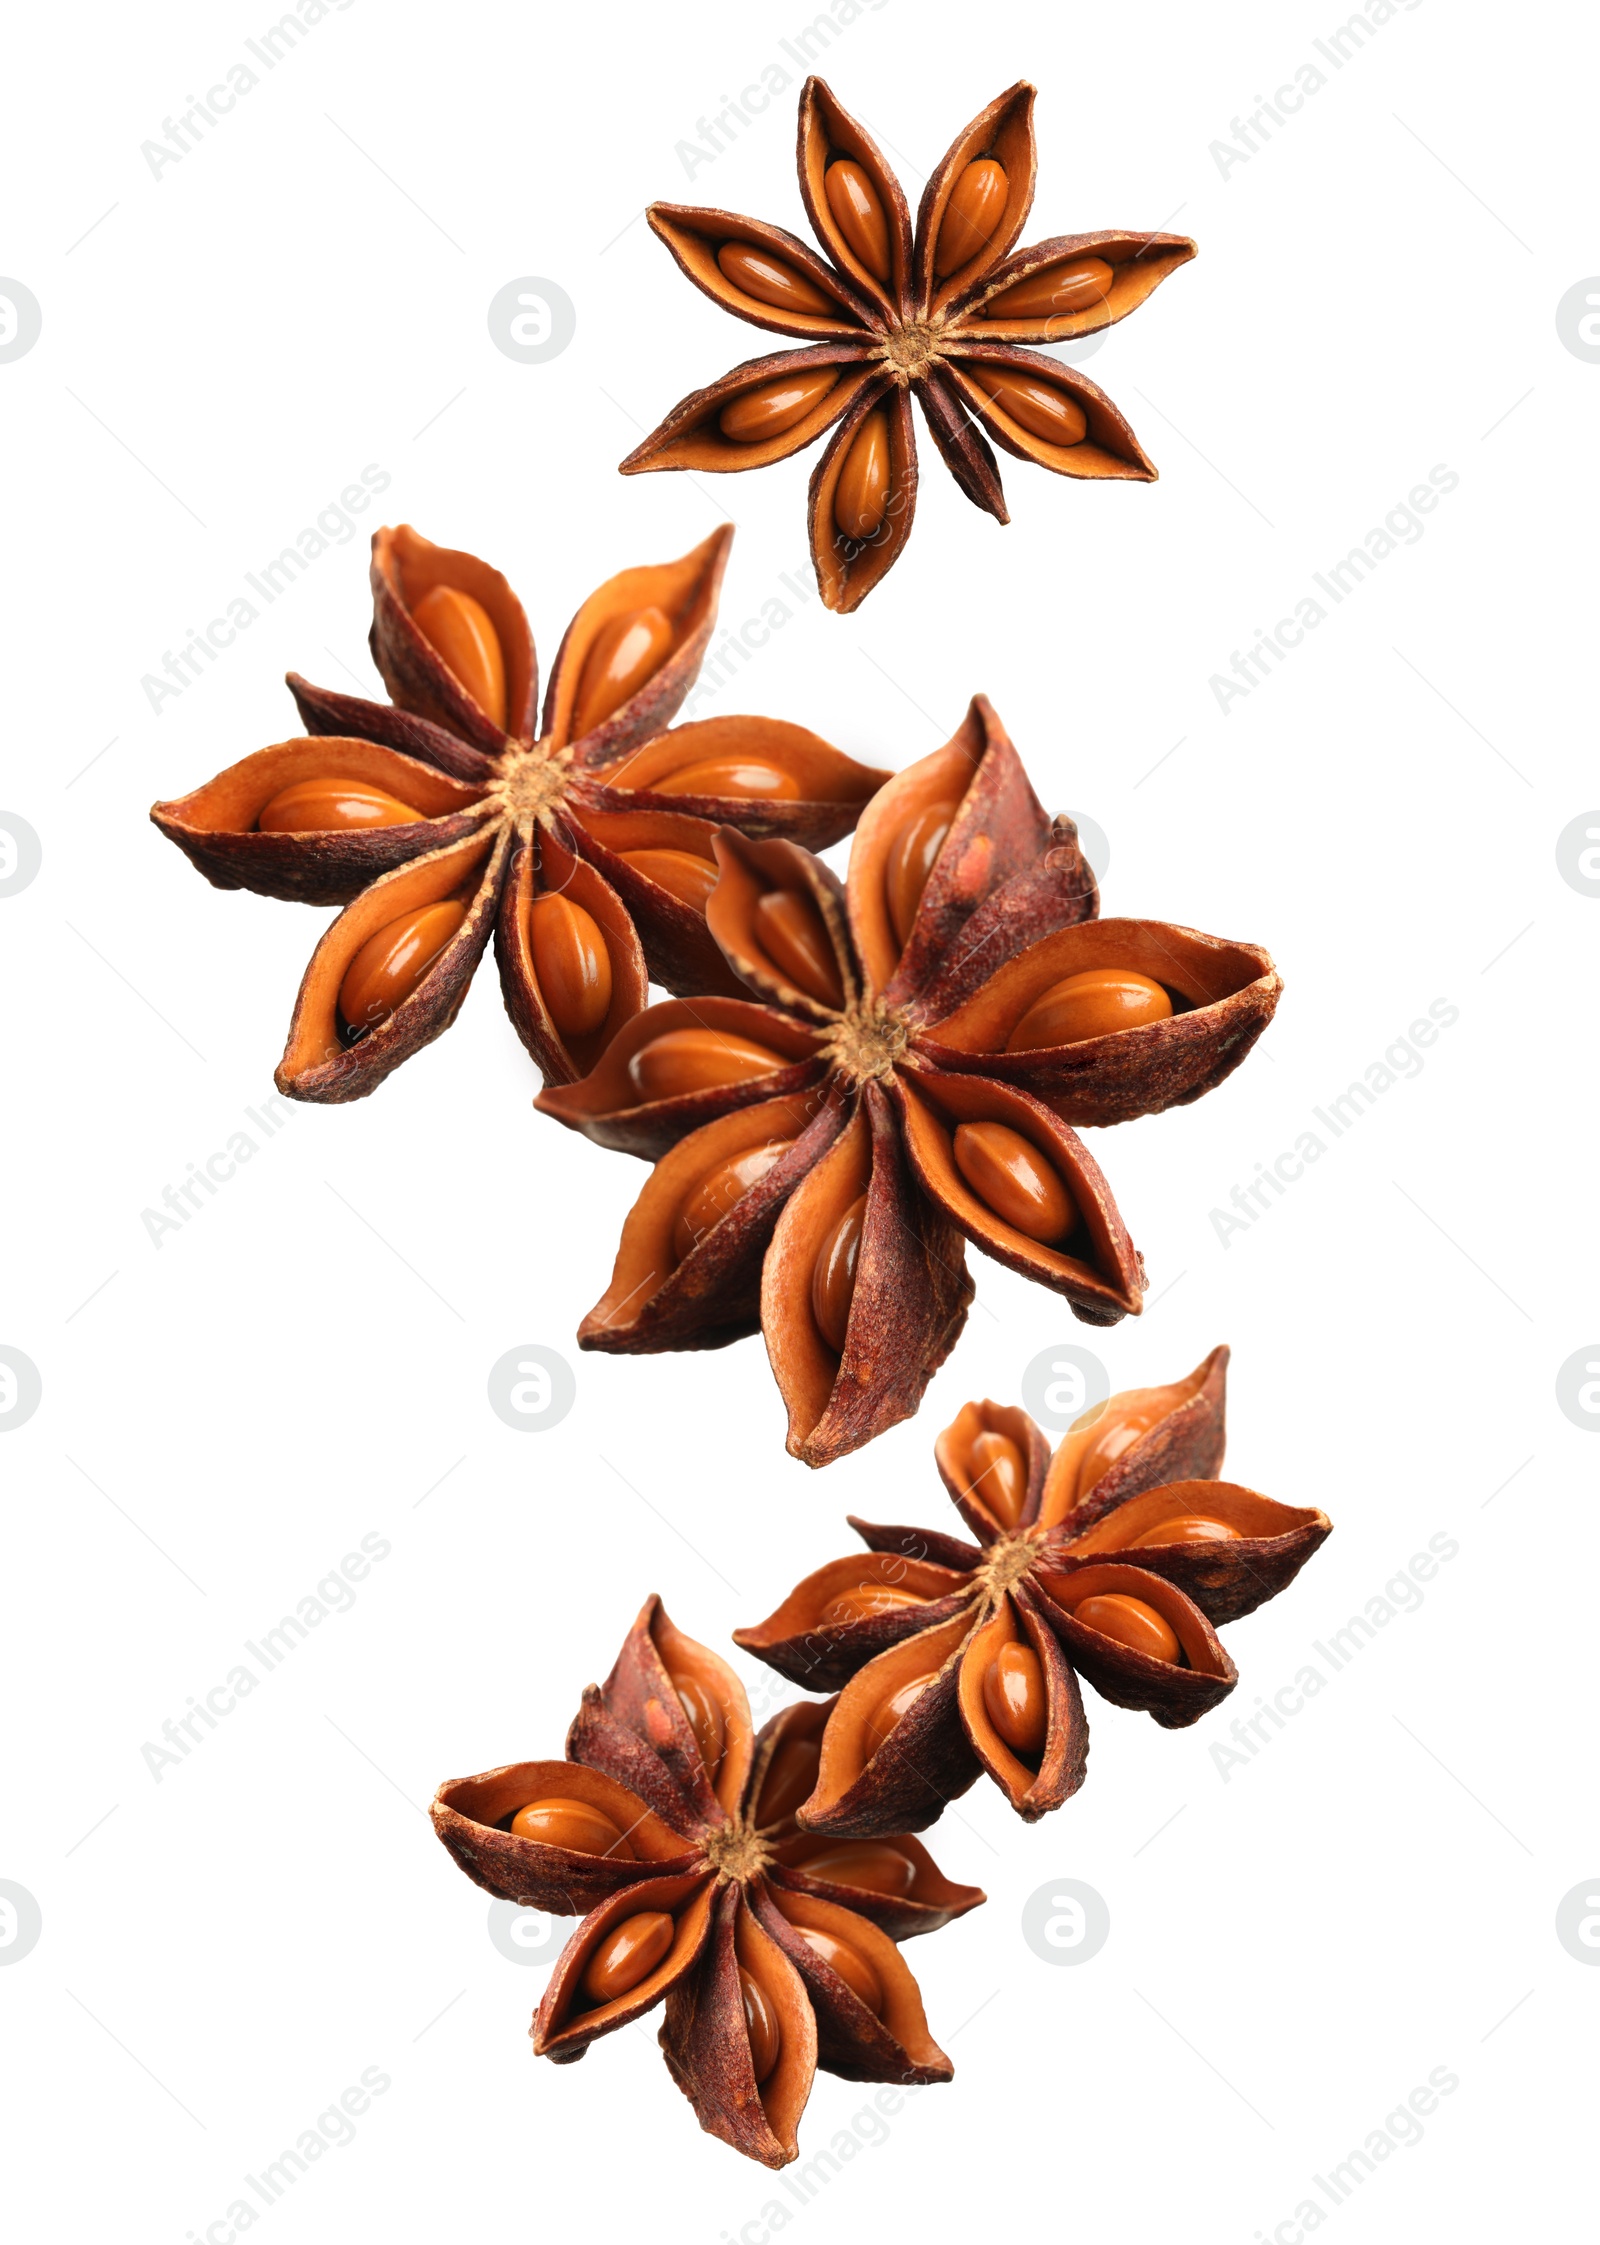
(1006, 1563)
(868, 1042)
(737, 1850)
(532, 784)
(913, 350)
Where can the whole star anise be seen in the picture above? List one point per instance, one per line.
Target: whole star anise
(444, 818)
(670, 1824)
(1114, 1560)
(941, 312)
(927, 1033)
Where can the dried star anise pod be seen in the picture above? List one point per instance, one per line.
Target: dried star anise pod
(671, 1824)
(1114, 1559)
(446, 817)
(885, 312)
(928, 1032)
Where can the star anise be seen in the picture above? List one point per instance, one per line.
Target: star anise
(446, 817)
(670, 1824)
(885, 312)
(927, 1034)
(1115, 1559)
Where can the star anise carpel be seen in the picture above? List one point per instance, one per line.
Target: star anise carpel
(902, 1077)
(1115, 1560)
(670, 1825)
(944, 312)
(450, 815)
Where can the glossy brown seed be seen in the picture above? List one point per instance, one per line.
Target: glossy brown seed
(749, 778)
(1186, 1527)
(1097, 1003)
(851, 1966)
(1039, 407)
(570, 963)
(629, 1953)
(861, 495)
(833, 1277)
(976, 206)
(789, 929)
(858, 213)
(626, 651)
(998, 1476)
(864, 1601)
(391, 964)
(332, 806)
(1076, 286)
(459, 630)
(773, 407)
(1015, 1699)
(573, 1824)
(689, 878)
(910, 861)
(710, 1200)
(705, 1718)
(761, 2026)
(770, 280)
(872, 1864)
(891, 1708)
(1130, 1622)
(791, 1778)
(682, 1061)
(1117, 1429)
(1010, 1176)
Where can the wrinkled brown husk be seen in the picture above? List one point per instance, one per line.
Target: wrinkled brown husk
(912, 330)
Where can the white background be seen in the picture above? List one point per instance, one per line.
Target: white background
(1294, 1947)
